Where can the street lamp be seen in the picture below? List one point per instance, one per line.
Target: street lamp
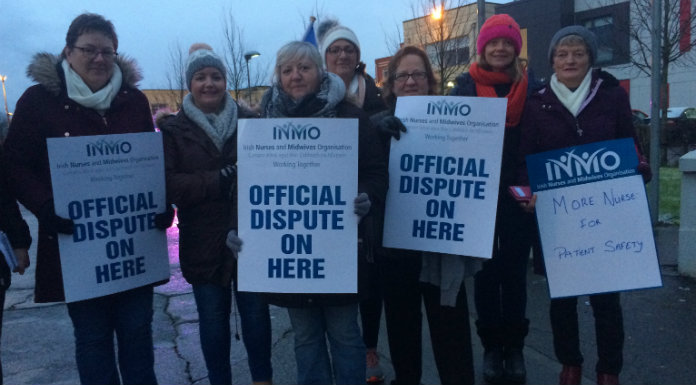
(4, 94)
(248, 56)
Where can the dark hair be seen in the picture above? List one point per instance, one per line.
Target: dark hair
(90, 22)
(388, 94)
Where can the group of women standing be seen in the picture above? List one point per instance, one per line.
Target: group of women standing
(90, 90)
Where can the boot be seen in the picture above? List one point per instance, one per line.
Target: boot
(570, 375)
(493, 371)
(607, 379)
(515, 370)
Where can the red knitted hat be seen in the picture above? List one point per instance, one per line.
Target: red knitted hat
(496, 26)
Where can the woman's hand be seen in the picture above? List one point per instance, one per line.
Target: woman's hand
(528, 207)
(233, 242)
(362, 205)
(22, 260)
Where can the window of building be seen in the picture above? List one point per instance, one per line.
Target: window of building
(454, 52)
(603, 27)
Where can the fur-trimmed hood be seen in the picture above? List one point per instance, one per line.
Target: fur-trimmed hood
(45, 70)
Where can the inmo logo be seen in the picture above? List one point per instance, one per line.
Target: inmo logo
(105, 147)
(445, 108)
(572, 165)
(292, 131)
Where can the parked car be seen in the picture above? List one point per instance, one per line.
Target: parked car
(640, 117)
(680, 126)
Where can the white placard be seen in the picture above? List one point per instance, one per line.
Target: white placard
(594, 221)
(444, 175)
(111, 186)
(297, 179)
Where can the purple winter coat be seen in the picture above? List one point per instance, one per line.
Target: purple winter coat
(548, 125)
(45, 111)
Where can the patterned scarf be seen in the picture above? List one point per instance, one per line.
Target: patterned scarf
(220, 126)
(485, 80)
(277, 103)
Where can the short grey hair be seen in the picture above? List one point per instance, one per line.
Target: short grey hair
(294, 51)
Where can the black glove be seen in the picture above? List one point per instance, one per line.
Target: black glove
(52, 222)
(228, 180)
(164, 220)
(390, 125)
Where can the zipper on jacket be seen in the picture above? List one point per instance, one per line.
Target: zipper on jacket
(577, 127)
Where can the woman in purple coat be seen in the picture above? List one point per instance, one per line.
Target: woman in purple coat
(580, 106)
(87, 90)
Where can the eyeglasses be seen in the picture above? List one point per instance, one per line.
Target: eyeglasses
(91, 53)
(336, 50)
(417, 76)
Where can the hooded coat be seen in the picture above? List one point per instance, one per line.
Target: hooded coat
(45, 111)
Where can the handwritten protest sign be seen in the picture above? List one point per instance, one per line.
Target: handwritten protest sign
(111, 186)
(444, 175)
(593, 219)
(297, 179)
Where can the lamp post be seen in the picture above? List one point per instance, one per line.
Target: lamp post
(4, 94)
(248, 56)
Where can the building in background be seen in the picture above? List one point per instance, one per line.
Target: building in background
(170, 100)
(611, 21)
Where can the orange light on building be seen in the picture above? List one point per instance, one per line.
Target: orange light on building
(437, 13)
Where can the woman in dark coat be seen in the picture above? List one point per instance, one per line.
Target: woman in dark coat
(580, 106)
(301, 88)
(200, 145)
(340, 50)
(88, 90)
(500, 288)
(17, 232)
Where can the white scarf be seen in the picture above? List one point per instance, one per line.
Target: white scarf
(82, 95)
(356, 90)
(572, 100)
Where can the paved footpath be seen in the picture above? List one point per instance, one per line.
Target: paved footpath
(37, 342)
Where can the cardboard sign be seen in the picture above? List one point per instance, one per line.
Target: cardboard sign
(111, 186)
(297, 179)
(444, 175)
(594, 221)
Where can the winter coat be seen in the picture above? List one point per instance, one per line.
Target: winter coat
(373, 97)
(45, 111)
(11, 223)
(548, 125)
(373, 180)
(192, 168)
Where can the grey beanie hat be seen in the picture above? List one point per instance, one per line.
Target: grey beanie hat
(588, 36)
(201, 56)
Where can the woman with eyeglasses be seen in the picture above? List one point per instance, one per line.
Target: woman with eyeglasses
(340, 50)
(500, 287)
(413, 276)
(87, 90)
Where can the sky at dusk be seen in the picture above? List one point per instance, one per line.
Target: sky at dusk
(149, 30)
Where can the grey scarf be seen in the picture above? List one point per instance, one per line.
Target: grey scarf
(276, 103)
(220, 126)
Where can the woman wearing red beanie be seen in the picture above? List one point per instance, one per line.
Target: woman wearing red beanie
(500, 286)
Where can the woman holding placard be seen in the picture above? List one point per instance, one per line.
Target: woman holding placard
(412, 278)
(88, 90)
(200, 150)
(500, 288)
(303, 89)
(580, 106)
